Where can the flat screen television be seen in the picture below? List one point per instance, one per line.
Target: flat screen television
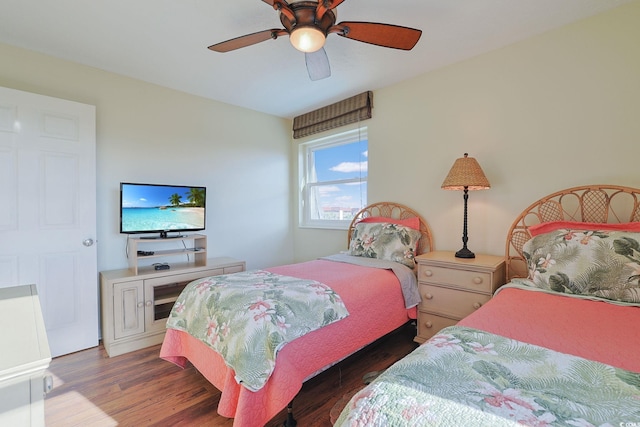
(156, 208)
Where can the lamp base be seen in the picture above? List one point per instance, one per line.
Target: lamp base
(465, 253)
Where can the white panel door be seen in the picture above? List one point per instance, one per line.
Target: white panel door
(48, 215)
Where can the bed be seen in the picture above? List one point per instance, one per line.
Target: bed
(374, 280)
(559, 344)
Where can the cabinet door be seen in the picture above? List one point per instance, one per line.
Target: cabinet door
(128, 308)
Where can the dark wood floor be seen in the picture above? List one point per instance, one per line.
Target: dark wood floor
(140, 389)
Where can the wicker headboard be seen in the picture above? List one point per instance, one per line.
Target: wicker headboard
(397, 211)
(591, 203)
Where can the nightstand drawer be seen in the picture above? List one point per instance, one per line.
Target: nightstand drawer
(465, 279)
(430, 324)
(450, 302)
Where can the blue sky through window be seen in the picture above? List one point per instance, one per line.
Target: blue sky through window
(340, 162)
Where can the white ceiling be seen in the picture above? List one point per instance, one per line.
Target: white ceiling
(165, 42)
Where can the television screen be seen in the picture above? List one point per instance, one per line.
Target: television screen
(154, 208)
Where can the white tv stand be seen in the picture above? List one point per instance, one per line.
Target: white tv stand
(136, 302)
(189, 248)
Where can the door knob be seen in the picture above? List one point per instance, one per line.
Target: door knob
(87, 242)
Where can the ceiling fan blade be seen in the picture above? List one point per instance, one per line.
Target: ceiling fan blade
(385, 35)
(244, 41)
(318, 64)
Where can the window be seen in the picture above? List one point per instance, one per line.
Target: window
(333, 179)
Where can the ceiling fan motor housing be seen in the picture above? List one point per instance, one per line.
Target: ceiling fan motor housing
(304, 15)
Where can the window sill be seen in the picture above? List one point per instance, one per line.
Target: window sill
(337, 227)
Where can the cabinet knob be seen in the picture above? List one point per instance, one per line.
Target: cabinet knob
(428, 324)
(428, 296)
(148, 303)
(477, 280)
(140, 304)
(477, 305)
(428, 273)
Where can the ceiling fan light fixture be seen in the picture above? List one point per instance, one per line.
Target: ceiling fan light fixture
(307, 39)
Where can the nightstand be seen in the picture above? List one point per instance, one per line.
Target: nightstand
(452, 288)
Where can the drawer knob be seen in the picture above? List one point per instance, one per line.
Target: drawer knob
(477, 305)
(428, 273)
(428, 324)
(428, 296)
(477, 280)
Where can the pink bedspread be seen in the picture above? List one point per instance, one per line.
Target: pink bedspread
(594, 330)
(376, 306)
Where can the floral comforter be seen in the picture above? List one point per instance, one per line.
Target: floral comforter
(247, 317)
(468, 377)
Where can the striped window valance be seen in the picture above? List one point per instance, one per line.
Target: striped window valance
(332, 116)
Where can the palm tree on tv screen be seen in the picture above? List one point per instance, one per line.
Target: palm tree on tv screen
(174, 199)
(196, 197)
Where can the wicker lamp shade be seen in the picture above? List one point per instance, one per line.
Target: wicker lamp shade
(466, 173)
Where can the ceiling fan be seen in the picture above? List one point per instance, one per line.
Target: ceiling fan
(309, 22)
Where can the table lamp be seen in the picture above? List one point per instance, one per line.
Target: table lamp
(465, 174)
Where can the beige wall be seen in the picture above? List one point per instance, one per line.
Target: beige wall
(558, 110)
(550, 112)
(146, 133)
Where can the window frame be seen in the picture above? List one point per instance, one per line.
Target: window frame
(307, 182)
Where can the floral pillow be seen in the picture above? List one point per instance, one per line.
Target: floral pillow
(595, 263)
(386, 241)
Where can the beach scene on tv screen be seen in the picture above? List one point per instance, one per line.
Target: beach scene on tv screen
(153, 208)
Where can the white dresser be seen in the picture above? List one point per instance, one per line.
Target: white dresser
(24, 357)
